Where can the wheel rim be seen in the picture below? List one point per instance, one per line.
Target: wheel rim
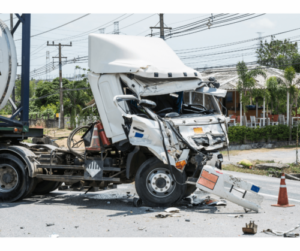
(8, 178)
(160, 182)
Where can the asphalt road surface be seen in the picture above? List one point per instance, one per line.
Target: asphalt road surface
(112, 214)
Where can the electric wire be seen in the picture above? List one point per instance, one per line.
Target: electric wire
(57, 27)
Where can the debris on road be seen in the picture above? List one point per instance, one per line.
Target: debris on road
(280, 233)
(150, 210)
(162, 215)
(218, 203)
(187, 220)
(137, 202)
(76, 226)
(291, 235)
(172, 210)
(236, 215)
(250, 228)
(142, 228)
(49, 224)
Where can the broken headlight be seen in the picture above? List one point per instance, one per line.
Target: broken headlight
(203, 141)
(218, 139)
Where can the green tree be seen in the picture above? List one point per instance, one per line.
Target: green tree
(290, 83)
(279, 54)
(75, 101)
(247, 83)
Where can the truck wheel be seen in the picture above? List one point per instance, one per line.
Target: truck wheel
(14, 179)
(46, 186)
(156, 186)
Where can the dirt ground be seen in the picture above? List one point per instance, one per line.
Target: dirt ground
(57, 133)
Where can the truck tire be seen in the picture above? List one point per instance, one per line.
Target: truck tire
(46, 186)
(14, 179)
(156, 186)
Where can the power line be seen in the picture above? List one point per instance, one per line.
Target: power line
(95, 29)
(179, 35)
(57, 27)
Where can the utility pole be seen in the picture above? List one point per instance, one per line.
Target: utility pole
(161, 27)
(116, 28)
(11, 28)
(61, 100)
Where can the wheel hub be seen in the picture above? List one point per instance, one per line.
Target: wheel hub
(160, 182)
(8, 178)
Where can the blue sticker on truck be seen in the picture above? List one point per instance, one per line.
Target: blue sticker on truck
(139, 135)
(255, 188)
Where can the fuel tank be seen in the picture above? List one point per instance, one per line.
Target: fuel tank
(8, 64)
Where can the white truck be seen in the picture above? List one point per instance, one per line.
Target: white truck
(161, 126)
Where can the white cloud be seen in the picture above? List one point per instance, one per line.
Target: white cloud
(262, 23)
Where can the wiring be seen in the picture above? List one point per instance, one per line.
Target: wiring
(57, 27)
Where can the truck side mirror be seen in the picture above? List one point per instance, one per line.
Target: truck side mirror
(147, 103)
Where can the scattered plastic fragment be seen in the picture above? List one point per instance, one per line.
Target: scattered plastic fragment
(280, 233)
(49, 224)
(187, 220)
(142, 228)
(150, 210)
(172, 210)
(162, 215)
(236, 215)
(291, 235)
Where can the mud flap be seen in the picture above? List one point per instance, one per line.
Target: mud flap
(240, 192)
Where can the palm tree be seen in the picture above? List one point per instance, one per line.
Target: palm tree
(290, 83)
(75, 100)
(247, 83)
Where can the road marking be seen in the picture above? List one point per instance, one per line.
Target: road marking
(265, 194)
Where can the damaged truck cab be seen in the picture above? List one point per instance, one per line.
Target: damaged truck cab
(149, 101)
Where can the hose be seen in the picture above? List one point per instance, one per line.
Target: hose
(72, 134)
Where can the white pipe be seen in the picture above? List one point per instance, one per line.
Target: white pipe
(241, 113)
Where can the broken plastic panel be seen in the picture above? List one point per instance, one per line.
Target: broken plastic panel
(240, 192)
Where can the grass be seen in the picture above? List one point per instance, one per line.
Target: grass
(265, 172)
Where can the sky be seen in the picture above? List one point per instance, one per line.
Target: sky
(138, 25)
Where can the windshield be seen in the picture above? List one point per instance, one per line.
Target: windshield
(208, 101)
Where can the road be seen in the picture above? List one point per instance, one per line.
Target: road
(111, 214)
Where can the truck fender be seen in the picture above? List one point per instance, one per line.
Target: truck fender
(134, 161)
(24, 154)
